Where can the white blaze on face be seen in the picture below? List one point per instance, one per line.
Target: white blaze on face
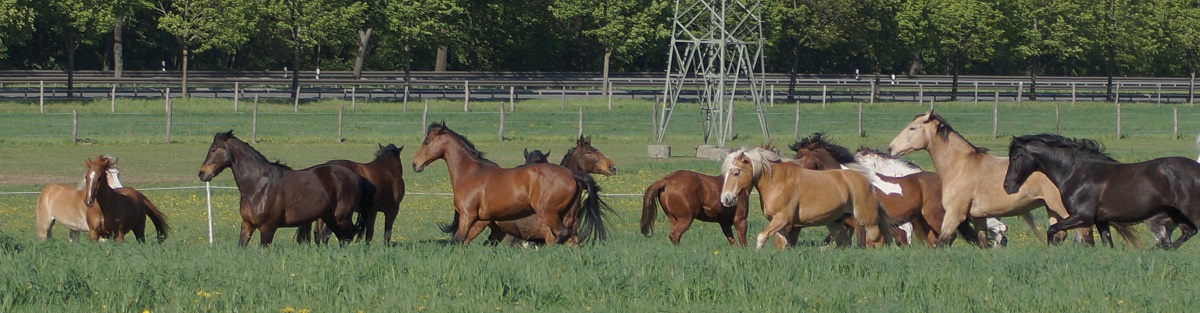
(727, 198)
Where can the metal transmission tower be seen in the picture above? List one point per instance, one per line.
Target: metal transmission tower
(717, 46)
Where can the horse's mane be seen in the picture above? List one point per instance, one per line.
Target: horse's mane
(566, 156)
(839, 153)
(470, 147)
(944, 129)
(226, 136)
(881, 154)
(1080, 147)
(388, 151)
(760, 160)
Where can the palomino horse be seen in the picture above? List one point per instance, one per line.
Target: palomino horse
(273, 195)
(686, 196)
(816, 153)
(484, 192)
(972, 179)
(1098, 190)
(63, 204)
(792, 195)
(386, 174)
(112, 213)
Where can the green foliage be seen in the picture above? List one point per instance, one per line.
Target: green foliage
(620, 26)
(204, 25)
(16, 23)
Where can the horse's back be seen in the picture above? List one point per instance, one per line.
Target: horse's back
(692, 191)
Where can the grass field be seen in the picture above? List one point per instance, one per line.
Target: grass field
(629, 272)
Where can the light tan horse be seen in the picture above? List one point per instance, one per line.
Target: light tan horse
(793, 196)
(972, 179)
(63, 204)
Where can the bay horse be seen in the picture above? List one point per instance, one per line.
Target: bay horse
(686, 196)
(972, 179)
(1098, 190)
(586, 158)
(536, 156)
(273, 195)
(386, 174)
(792, 195)
(484, 192)
(111, 213)
(63, 204)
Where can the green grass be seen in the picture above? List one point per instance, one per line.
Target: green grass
(629, 272)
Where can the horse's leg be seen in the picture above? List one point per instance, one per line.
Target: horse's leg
(268, 235)
(679, 225)
(554, 231)
(496, 236)
(247, 231)
(773, 227)
(784, 238)
(1105, 236)
(739, 224)
(1186, 231)
(389, 218)
(369, 223)
(956, 214)
(44, 223)
(727, 229)
(1079, 219)
(304, 233)
(72, 235)
(474, 230)
(1158, 225)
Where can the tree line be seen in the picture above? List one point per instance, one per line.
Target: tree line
(991, 37)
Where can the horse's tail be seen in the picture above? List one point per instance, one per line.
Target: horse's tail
(1125, 231)
(591, 214)
(650, 207)
(1028, 218)
(366, 206)
(158, 218)
(451, 227)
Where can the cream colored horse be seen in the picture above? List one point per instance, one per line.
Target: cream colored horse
(793, 196)
(63, 204)
(973, 180)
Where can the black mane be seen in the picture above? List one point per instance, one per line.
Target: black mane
(1080, 147)
(226, 136)
(944, 130)
(470, 147)
(839, 153)
(388, 151)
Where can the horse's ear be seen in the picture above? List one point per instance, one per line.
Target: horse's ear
(928, 116)
(547, 154)
(400, 149)
(380, 146)
(587, 141)
(526, 153)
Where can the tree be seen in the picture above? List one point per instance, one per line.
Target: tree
(1181, 29)
(1046, 31)
(85, 20)
(121, 10)
(203, 25)
(815, 25)
(306, 23)
(620, 26)
(951, 32)
(16, 23)
(419, 23)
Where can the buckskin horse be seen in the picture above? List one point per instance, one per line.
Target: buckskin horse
(273, 195)
(484, 192)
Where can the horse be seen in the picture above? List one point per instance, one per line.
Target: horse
(536, 156)
(972, 179)
(893, 168)
(386, 174)
(817, 153)
(1098, 190)
(63, 204)
(686, 196)
(115, 212)
(484, 192)
(273, 195)
(586, 158)
(792, 195)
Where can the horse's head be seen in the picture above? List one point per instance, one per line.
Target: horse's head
(813, 156)
(585, 157)
(916, 135)
(391, 155)
(738, 174)
(219, 158)
(1021, 163)
(433, 147)
(94, 178)
(536, 156)
(114, 173)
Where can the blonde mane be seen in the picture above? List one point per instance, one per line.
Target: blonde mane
(761, 160)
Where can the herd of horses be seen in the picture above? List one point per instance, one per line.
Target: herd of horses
(865, 198)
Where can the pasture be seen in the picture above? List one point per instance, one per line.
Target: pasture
(628, 272)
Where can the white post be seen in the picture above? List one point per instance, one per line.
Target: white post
(254, 121)
(796, 130)
(609, 92)
(405, 98)
(424, 116)
(466, 96)
(920, 95)
(296, 101)
(824, 91)
(1072, 94)
(1159, 93)
(996, 116)
(113, 99)
(339, 133)
(976, 93)
(563, 105)
(1057, 118)
(1020, 90)
(511, 98)
(500, 134)
(771, 96)
(168, 96)
(860, 109)
(208, 198)
(74, 126)
(41, 96)
(353, 96)
(1175, 122)
(236, 95)
(580, 121)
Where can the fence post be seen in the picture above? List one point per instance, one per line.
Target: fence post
(168, 96)
(931, 101)
(1117, 98)
(113, 99)
(654, 117)
(41, 97)
(1057, 119)
(824, 93)
(339, 133)
(796, 130)
(1159, 93)
(208, 199)
(608, 90)
(563, 105)
(512, 93)
(405, 98)
(236, 96)
(254, 121)
(353, 96)
(996, 116)
(74, 126)
(771, 96)
(424, 117)
(873, 93)
(1072, 95)
(1175, 123)
(581, 121)
(1020, 91)
(296, 100)
(920, 95)
(1118, 120)
(976, 93)
(860, 109)
(500, 133)
(466, 96)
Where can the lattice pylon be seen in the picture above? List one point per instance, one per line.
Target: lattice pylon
(717, 46)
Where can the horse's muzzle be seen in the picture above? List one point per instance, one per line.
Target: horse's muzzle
(418, 168)
(204, 177)
(728, 199)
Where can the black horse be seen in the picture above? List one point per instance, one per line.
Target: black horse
(1098, 190)
(273, 195)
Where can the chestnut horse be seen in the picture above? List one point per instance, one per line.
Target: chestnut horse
(816, 153)
(272, 195)
(794, 196)
(972, 179)
(63, 204)
(386, 174)
(686, 196)
(113, 213)
(484, 192)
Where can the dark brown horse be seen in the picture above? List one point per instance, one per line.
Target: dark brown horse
(484, 192)
(686, 196)
(112, 213)
(386, 174)
(273, 195)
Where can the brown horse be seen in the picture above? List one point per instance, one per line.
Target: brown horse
(113, 213)
(586, 158)
(973, 180)
(686, 196)
(63, 204)
(386, 174)
(273, 195)
(484, 192)
(794, 196)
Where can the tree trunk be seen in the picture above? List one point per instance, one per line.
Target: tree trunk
(183, 90)
(915, 65)
(792, 72)
(607, 57)
(958, 60)
(407, 65)
(296, 70)
(440, 66)
(364, 43)
(118, 48)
